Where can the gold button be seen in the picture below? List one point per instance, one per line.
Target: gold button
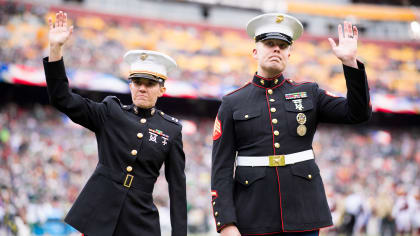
(274, 121)
(273, 109)
(143, 121)
(310, 176)
(129, 168)
(139, 135)
(276, 132)
(218, 223)
(246, 116)
(277, 145)
(214, 203)
(216, 213)
(162, 113)
(272, 100)
(246, 182)
(134, 152)
(270, 91)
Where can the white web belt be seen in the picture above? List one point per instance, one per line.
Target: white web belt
(275, 160)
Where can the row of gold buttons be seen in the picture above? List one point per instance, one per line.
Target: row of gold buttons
(274, 120)
(134, 151)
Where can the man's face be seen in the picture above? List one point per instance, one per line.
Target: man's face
(272, 55)
(145, 92)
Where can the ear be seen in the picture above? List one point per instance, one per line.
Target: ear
(255, 54)
(162, 91)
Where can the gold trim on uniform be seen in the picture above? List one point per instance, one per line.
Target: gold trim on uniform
(136, 110)
(301, 118)
(301, 130)
(148, 73)
(262, 81)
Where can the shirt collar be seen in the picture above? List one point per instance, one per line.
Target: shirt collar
(267, 82)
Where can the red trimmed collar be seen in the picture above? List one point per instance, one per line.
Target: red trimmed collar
(268, 82)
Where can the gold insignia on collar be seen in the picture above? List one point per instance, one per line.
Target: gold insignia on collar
(262, 82)
(279, 19)
(153, 111)
(143, 56)
(276, 81)
(136, 111)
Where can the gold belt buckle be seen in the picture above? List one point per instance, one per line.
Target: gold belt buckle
(128, 180)
(277, 160)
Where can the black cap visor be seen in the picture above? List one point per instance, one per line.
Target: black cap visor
(274, 35)
(146, 76)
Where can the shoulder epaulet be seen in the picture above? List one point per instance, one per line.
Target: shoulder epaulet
(125, 107)
(236, 90)
(296, 83)
(169, 118)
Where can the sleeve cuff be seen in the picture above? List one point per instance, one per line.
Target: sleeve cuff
(360, 67)
(55, 69)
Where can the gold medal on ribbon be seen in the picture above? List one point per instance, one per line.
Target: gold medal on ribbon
(301, 130)
(301, 118)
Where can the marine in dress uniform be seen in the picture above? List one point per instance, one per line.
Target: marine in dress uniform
(133, 143)
(265, 180)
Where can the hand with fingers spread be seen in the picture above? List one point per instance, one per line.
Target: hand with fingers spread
(59, 33)
(346, 50)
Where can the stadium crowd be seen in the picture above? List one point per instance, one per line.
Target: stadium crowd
(208, 57)
(371, 175)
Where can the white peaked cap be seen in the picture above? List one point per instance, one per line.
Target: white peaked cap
(149, 64)
(274, 26)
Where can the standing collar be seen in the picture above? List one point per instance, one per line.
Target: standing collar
(268, 82)
(142, 111)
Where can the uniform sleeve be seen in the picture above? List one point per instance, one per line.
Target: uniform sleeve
(356, 108)
(175, 175)
(80, 110)
(223, 158)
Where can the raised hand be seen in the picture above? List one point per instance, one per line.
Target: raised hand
(59, 33)
(346, 50)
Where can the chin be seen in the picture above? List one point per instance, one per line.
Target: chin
(275, 69)
(144, 106)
